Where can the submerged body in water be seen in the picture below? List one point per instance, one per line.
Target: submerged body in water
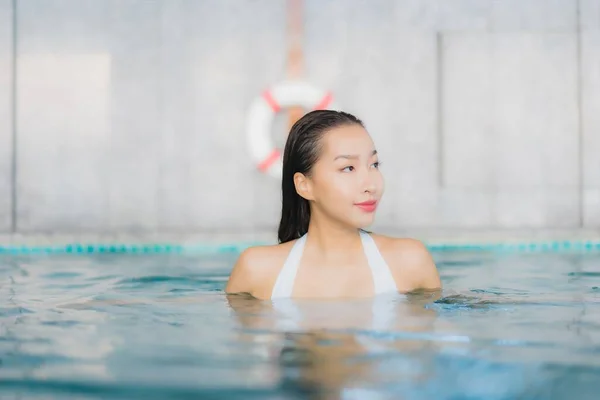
(128, 327)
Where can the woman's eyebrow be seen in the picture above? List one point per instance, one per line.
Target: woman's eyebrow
(352, 156)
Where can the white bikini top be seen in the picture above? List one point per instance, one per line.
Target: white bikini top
(382, 276)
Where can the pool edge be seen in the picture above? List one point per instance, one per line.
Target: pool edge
(521, 240)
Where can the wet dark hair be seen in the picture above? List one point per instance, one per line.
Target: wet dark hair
(302, 150)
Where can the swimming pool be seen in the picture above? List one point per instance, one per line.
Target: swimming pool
(509, 325)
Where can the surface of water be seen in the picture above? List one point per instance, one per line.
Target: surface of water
(131, 326)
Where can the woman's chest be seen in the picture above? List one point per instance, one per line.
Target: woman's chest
(351, 280)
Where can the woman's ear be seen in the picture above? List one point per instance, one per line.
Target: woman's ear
(303, 186)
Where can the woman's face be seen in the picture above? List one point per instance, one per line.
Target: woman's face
(345, 183)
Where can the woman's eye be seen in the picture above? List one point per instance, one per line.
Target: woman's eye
(376, 164)
(348, 169)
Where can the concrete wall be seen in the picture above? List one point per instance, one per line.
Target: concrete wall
(130, 113)
(5, 114)
(590, 110)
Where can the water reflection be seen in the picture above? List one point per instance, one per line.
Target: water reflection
(338, 349)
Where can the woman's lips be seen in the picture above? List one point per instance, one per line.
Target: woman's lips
(368, 206)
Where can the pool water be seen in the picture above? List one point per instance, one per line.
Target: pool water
(107, 326)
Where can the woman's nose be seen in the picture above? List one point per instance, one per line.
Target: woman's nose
(369, 182)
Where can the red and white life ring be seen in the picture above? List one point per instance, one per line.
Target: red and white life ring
(262, 113)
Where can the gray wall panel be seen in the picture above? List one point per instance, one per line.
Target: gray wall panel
(484, 16)
(152, 119)
(5, 114)
(510, 124)
(591, 126)
(467, 107)
(589, 14)
(534, 15)
(63, 85)
(234, 59)
(536, 123)
(535, 113)
(138, 67)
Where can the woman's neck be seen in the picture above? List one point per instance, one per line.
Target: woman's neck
(331, 238)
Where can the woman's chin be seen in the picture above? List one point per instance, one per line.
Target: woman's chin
(365, 221)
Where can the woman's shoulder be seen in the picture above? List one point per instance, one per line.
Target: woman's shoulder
(266, 252)
(409, 260)
(256, 267)
(401, 246)
(262, 256)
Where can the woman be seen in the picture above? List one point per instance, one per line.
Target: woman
(331, 186)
